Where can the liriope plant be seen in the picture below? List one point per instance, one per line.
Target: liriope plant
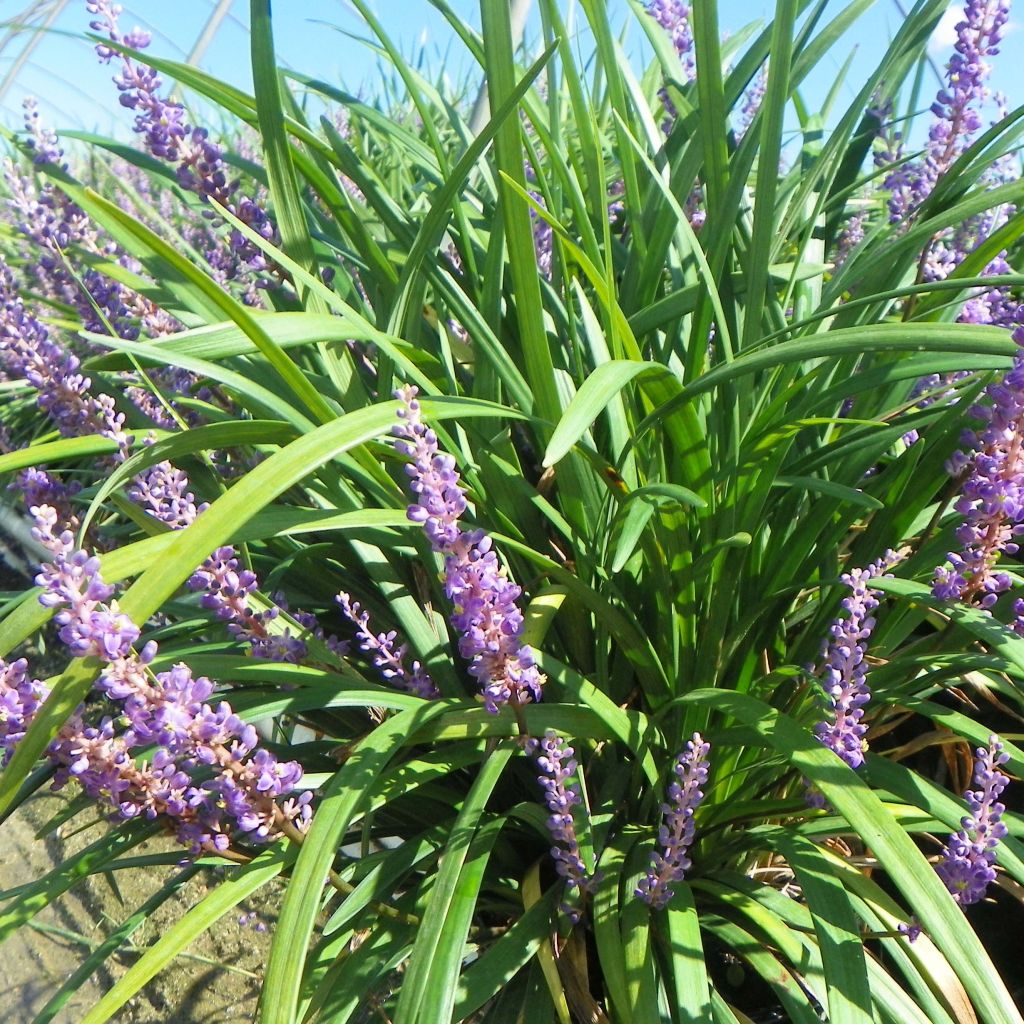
(547, 547)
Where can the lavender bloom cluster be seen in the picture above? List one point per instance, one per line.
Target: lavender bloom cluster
(46, 216)
(200, 163)
(27, 351)
(967, 861)
(752, 100)
(956, 107)
(487, 614)
(843, 676)
(671, 861)
(20, 698)
(674, 17)
(849, 238)
(163, 491)
(55, 224)
(225, 587)
(386, 656)
(957, 117)
(169, 711)
(991, 499)
(38, 487)
(554, 758)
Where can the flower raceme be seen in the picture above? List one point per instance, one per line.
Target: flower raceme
(967, 861)
(554, 758)
(843, 676)
(957, 114)
(487, 614)
(28, 351)
(386, 656)
(171, 714)
(200, 162)
(991, 498)
(956, 107)
(671, 860)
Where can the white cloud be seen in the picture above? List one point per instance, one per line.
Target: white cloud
(944, 36)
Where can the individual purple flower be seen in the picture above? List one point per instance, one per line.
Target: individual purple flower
(554, 758)
(20, 698)
(843, 676)
(671, 861)
(967, 864)
(487, 614)
(388, 658)
(992, 494)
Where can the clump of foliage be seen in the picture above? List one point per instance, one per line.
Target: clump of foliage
(550, 546)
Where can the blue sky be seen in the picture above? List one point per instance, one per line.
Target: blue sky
(75, 91)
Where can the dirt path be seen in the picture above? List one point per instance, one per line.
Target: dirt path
(35, 962)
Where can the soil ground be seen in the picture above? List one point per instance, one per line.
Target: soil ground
(217, 982)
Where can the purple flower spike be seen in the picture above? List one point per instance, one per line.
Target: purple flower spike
(967, 861)
(386, 656)
(674, 17)
(956, 107)
(992, 495)
(487, 614)
(671, 861)
(89, 621)
(843, 677)
(555, 759)
(27, 351)
(201, 167)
